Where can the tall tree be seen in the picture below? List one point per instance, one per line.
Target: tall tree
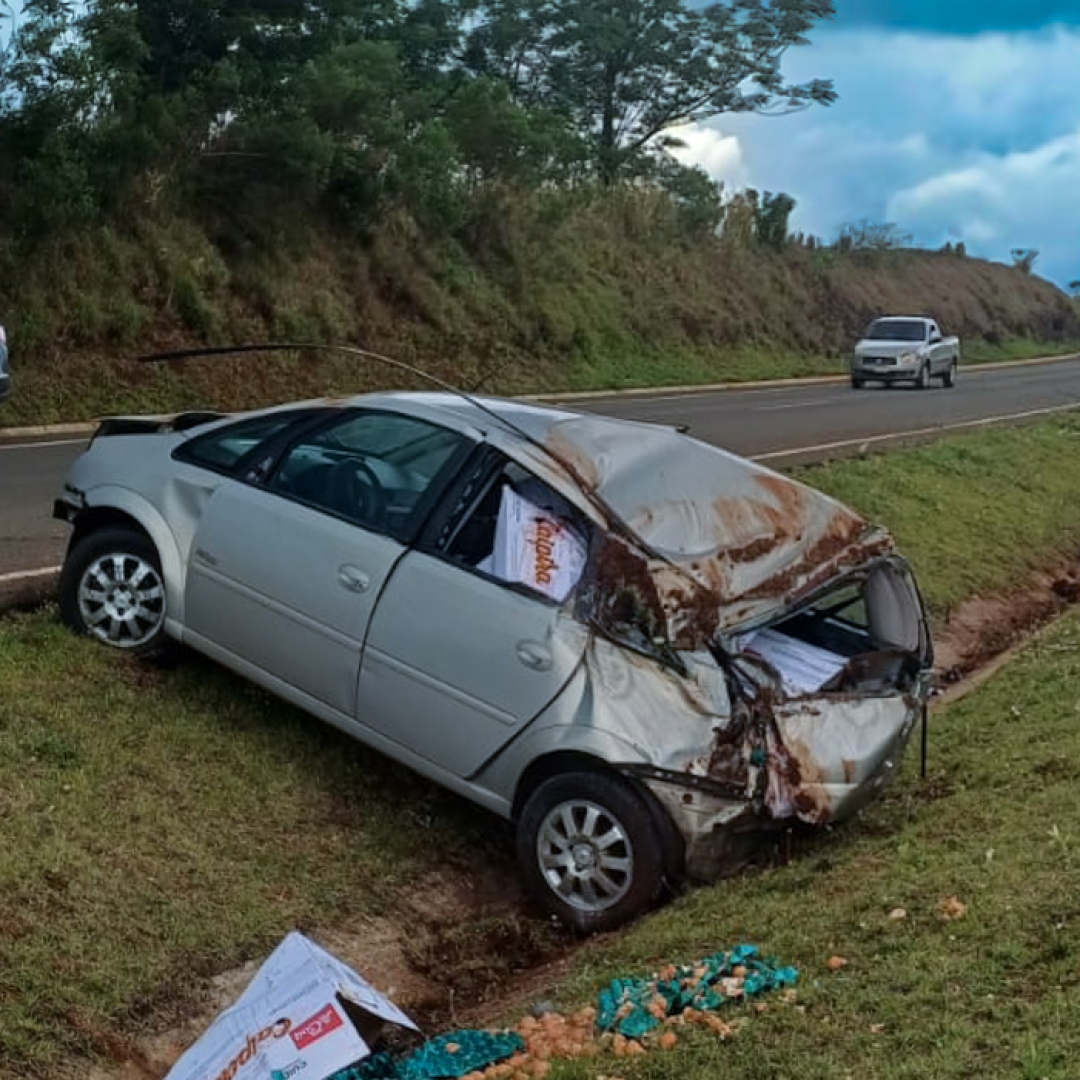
(628, 72)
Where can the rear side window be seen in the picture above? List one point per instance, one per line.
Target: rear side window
(225, 448)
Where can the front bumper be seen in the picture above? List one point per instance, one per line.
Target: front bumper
(885, 370)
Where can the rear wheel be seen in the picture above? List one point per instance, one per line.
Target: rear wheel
(111, 589)
(589, 850)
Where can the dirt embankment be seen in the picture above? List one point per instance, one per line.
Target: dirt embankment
(530, 297)
(464, 950)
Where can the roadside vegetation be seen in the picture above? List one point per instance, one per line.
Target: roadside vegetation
(161, 825)
(489, 189)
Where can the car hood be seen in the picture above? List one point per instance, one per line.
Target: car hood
(712, 541)
(868, 347)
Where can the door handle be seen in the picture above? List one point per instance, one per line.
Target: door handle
(353, 579)
(534, 655)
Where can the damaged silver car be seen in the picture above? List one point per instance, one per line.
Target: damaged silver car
(641, 649)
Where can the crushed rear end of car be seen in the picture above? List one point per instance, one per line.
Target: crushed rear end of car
(780, 620)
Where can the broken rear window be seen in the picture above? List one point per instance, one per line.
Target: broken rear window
(866, 634)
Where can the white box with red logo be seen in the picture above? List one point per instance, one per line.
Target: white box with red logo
(291, 1021)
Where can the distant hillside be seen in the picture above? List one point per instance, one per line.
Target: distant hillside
(536, 294)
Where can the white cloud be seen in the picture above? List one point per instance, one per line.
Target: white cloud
(1024, 199)
(720, 155)
(950, 136)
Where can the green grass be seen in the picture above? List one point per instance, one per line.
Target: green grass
(161, 825)
(630, 370)
(993, 994)
(985, 352)
(974, 512)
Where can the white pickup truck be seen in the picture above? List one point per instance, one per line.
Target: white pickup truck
(904, 348)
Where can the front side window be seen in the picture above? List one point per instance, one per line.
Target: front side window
(225, 448)
(377, 470)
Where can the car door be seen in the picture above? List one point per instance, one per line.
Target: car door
(458, 659)
(286, 568)
(937, 349)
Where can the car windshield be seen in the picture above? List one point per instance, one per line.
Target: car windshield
(897, 330)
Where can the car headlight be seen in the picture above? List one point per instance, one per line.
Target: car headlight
(909, 358)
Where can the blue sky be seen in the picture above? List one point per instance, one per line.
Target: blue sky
(957, 119)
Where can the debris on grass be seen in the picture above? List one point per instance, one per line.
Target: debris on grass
(634, 1017)
(951, 908)
(634, 1008)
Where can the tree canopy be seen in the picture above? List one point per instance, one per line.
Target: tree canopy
(357, 105)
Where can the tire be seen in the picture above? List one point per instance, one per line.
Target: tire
(111, 589)
(949, 378)
(857, 383)
(923, 381)
(603, 885)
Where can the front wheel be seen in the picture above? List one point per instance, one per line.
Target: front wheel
(857, 383)
(923, 379)
(949, 378)
(112, 590)
(589, 851)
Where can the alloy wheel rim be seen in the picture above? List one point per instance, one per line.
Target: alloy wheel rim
(585, 855)
(122, 600)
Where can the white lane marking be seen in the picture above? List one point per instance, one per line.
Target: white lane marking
(28, 575)
(44, 443)
(797, 405)
(870, 440)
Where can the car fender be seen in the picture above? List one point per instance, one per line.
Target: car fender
(149, 519)
(621, 710)
(565, 727)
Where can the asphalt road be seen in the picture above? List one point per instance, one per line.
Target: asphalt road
(779, 425)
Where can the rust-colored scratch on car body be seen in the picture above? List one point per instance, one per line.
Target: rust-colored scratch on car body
(708, 546)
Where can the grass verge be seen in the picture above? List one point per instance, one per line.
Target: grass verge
(157, 826)
(973, 512)
(991, 994)
(627, 371)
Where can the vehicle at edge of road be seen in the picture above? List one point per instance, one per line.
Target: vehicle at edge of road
(902, 348)
(643, 650)
(5, 372)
